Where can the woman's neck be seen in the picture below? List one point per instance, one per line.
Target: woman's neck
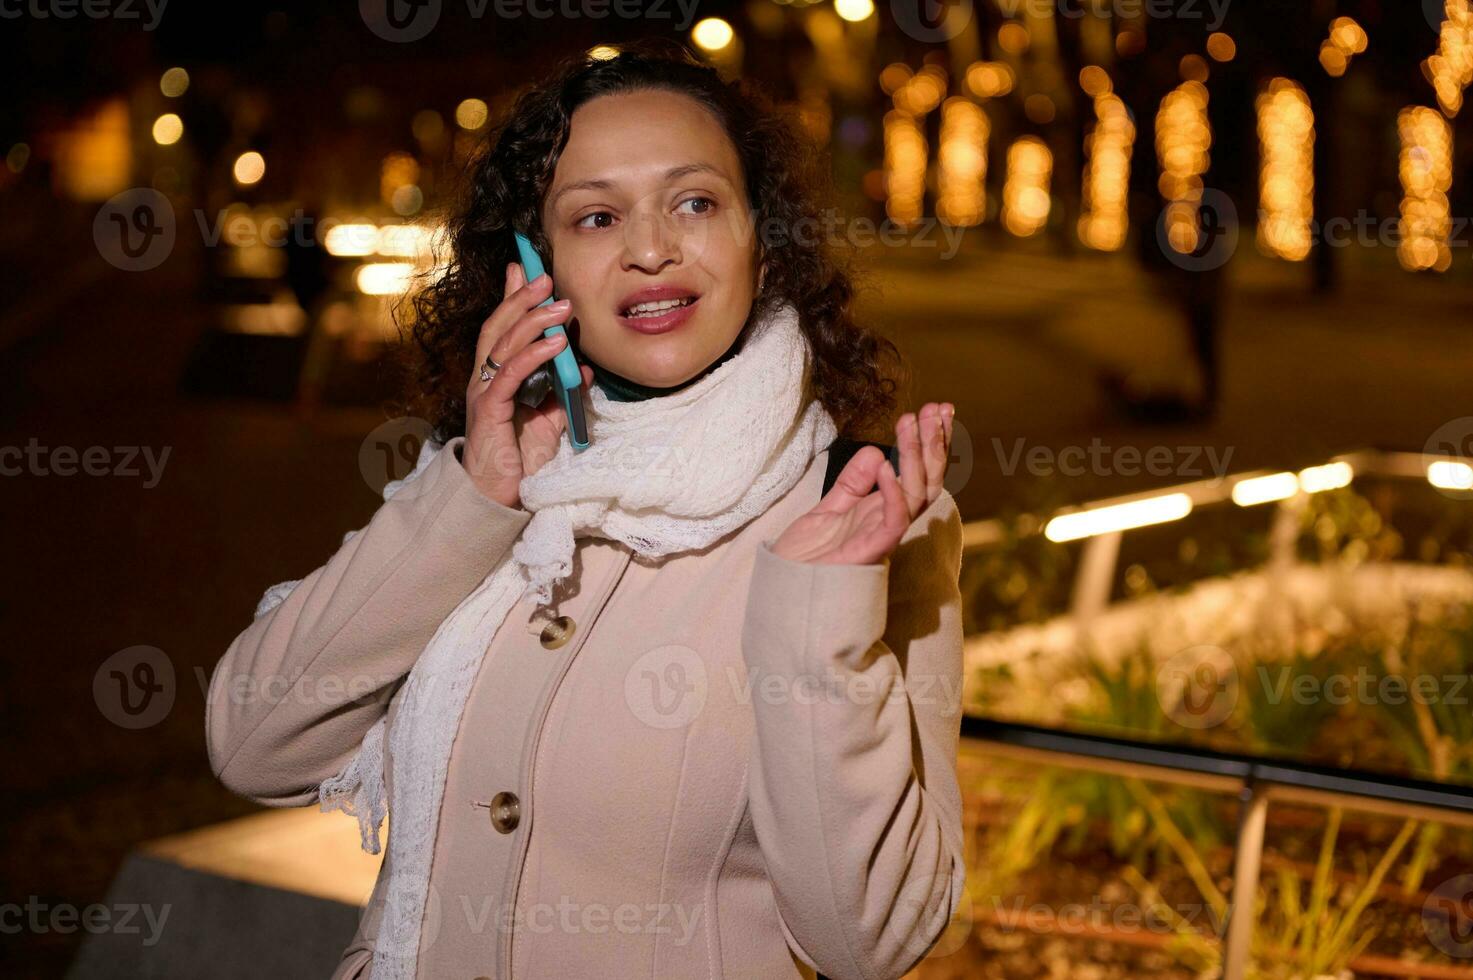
(622, 389)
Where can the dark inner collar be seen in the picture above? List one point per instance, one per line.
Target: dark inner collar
(622, 389)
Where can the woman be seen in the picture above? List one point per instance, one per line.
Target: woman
(661, 707)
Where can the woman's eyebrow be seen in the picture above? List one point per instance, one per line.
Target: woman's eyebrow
(674, 173)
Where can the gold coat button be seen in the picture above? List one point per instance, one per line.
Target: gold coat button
(506, 811)
(557, 632)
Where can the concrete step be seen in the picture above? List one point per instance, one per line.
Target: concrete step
(276, 894)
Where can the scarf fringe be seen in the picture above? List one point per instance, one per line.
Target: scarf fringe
(358, 790)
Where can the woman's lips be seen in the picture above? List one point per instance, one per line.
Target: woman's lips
(663, 322)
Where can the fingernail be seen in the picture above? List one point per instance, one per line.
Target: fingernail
(556, 341)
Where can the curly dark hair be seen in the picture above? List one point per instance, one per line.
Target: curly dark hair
(510, 175)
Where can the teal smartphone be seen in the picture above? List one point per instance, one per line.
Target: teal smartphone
(566, 376)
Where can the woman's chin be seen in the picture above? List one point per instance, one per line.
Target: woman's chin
(661, 380)
(659, 360)
(663, 375)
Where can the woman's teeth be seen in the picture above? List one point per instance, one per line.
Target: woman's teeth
(658, 307)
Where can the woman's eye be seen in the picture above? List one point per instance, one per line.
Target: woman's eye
(583, 221)
(706, 201)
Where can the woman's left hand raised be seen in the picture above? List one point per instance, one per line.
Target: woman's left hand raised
(861, 519)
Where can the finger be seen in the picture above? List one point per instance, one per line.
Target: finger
(504, 342)
(529, 328)
(523, 296)
(933, 448)
(912, 469)
(503, 386)
(855, 481)
(515, 303)
(528, 294)
(897, 515)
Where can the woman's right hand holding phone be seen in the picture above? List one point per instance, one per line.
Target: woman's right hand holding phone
(505, 440)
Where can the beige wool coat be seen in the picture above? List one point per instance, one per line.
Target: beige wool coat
(720, 764)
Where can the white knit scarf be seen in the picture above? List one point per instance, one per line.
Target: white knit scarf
(663, 475)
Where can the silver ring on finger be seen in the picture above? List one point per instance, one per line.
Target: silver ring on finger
(489, 368)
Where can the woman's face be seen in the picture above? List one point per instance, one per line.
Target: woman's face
(647, 210)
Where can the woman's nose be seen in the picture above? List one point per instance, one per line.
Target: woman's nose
(650, 243)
